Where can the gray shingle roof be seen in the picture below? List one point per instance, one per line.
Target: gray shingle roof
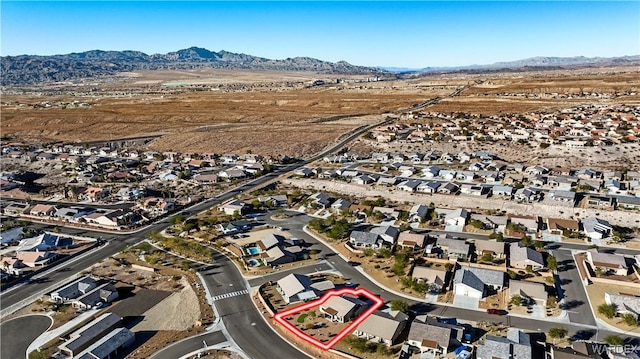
(487, 276)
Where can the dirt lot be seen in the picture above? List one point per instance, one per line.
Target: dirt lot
(272, 113)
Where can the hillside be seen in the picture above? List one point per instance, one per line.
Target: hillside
(33, 70)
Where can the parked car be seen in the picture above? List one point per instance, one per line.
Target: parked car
(496, 311)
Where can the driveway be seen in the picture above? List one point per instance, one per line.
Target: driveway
(16, 334)
(463, 301)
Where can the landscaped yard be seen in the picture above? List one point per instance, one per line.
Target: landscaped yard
(596, 293)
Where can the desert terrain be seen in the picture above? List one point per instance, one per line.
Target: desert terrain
(279, 113)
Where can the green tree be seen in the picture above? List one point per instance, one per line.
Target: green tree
(176, 219)
(613, 340)
(516, 300)
(552, 263)
(629, 319)
(498, 236)
(608, 310)
(526, 240)
(400, 305)
(487, 257)
(538, 245)
(557, 333)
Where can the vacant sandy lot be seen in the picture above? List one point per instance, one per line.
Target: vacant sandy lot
(179, 311)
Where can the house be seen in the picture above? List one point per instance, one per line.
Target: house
(456, 220)
(303, 172)
(383, 327)
(493, 248)
(89, 334)
(73, 290)
(496, 223)
(104, 293)
(279, 200)
(536, 170)
(340, 205)
(43, 242)
(12, 265)
(502, 191)
(321, 200)
(109, 345)
(43, 210)
(360, 239)
(434, 277)
(628, 202)
(530, 291)
(560, 226)
(563, 196)
(278, 255)
(16, 208)
(522, 257)
(388, 181)
(342, 309)
(409, 186)
(206, 178)
(455, 249)
(473, 190)
(431, 171)
(389, 234)
(517, 345)
(449, 188)
(411, 240)
(465, 176)
(234, 206)
(530, 223)
(527, 194)
(418, 213)
(296, 287)
(607, 262)
(599, 202)
(596, 228)
(94, 194)
(624, 303)
(430, 187)
(363, 179)
(587, 174)
(129, 194)
(35, 259)
(11, 236)
(432, 338)
(475, 282)
(232, 174)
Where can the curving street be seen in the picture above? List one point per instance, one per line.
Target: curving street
(16, 334)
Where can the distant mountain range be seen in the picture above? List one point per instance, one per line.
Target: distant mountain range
(31, 70)
(25, 70)
(537, 62)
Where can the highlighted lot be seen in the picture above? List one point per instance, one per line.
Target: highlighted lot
(293, 319)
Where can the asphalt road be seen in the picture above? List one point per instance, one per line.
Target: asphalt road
(190, 345)
(17, 334)
(575, 295)
(241, 318)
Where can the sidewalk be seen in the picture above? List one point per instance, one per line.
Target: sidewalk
(48, 336)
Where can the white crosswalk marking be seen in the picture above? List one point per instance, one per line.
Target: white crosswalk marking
(229, 295)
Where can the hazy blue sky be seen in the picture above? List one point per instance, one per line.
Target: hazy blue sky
(409, 34)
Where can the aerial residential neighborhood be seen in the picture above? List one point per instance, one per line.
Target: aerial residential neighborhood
(323, 179)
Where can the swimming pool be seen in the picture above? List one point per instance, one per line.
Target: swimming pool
(254, 263)
(253, 250)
